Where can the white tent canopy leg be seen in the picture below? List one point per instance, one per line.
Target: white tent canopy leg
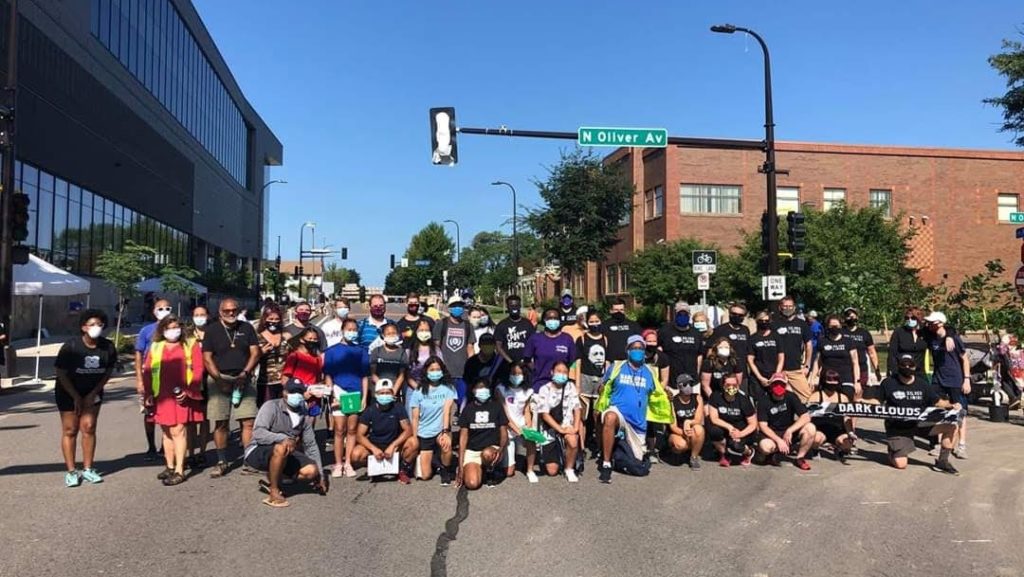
(39, 343)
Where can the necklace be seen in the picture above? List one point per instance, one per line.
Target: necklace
(231, 335)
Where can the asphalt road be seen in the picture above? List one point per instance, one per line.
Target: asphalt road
(861, 519)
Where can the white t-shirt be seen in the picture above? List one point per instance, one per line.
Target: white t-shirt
(549, 396)
(516, 400)
(332, 331)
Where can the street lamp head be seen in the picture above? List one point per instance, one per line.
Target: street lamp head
(723, 28)
(497, 183)
(312, 224)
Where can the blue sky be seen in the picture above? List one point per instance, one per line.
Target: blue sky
(346, 87)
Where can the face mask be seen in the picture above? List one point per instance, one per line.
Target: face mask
(682, 319)
(161, 314)
(735, 319)
(294, 400)
(619, 316)
(514, 312)
(423, 336)
(637, 355)
(906, 371)
(385, 400)
(392, 340)
(723, 352)
(457, 312)
(172, 335)
(830, 387)
(302, 317)
(487, 350)
(651, 349)
(484, 319)
(435, 376)
(764, 325)
(552, 325)
(833, 331)
(778, 391)
(851, 322)
(342, 312)
(788, 311)
(273, 327)
(567, 303)
(559, 378)
(731, 391)
(312, 346)
(700, 326)
(350, 336)
(474, 322)
(911, 323)
(199, 322)
(377, 310)
(94, 332)
(687, 390)
(482, 395)
(413, 309)
(595, 328)
(515, 380)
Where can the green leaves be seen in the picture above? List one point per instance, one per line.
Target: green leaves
(1010, 64)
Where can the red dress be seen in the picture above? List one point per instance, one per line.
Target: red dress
(167, 411)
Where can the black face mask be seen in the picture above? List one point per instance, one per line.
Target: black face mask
(764, 325)
(312, 347)
(274, 328)
(834, 331)
(830, 387)
(735, 320)
(514, 312)
(619, 317)
(907, 371)
(851, 322)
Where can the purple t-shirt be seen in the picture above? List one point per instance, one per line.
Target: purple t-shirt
(545, 352)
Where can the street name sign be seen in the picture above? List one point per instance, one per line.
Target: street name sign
(1017, 217)
(638, 137)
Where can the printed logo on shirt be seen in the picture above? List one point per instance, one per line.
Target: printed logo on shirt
(90, 366)
(482, 420)
(456, 339)
(685, 413)
(516, 339)
(782, 330)
(776, 409)
(91, 362)
(638, 381)
(562, 349)
(482, 417)
(731, 411)
(765, 343)
(677, 339)
(834, 347)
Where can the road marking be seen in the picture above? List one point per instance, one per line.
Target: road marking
(875, 503)
(972, 541)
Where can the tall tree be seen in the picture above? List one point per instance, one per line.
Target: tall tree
(431, 243)
(1010, 64)
(341, 276)
(663, 274)
(585, 202)
(123, 270)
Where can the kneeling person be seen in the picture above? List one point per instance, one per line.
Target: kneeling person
(280, 426)
(558, 406)
(483, 435)
(784, 420)
(686, 435)
(383, 430)
(733, 423)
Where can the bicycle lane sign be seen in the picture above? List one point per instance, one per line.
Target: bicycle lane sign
(705, 261)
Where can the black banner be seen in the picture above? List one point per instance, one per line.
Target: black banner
(876, 411)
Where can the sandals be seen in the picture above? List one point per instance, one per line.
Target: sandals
(174, 479)
(276, 503)
(219, 470)
(165, 474)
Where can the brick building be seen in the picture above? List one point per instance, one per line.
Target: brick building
(958, 200)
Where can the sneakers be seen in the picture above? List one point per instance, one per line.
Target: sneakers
(72, 479)
(605, 475)
(724, 462)
(960, 452)
(802, 464)
(446, 477)
(532, 477)
(92, 476)
(652, 458)
(945, 467)
(570, 475)
(746, 459)
(348, 471)
(403, 478)
(695, 464)
(337, 471)
(841, 456)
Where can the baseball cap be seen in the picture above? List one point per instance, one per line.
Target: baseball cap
(455, 300)
(849, 310)
(294, 385)
(487, 339)
(778, 378)
(682, 306)
(582, 311)
(684, 380)
(935, 317)
(383, 384)
(813, 314)
(567, 293)
(634, 339)
(907, 361)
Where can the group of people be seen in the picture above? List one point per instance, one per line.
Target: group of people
(476, 402)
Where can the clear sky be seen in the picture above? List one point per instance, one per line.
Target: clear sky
(346, 86)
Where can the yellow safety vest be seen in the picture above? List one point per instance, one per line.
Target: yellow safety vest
(659, 406)
(156, 355)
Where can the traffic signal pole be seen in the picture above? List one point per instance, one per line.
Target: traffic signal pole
(7, 135)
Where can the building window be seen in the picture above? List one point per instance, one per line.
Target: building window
(709, 199)
(787, 199)
(1007, 203)
(611, 285)
(881, 198)
(833, 198)
(654, 203)
(627, 218)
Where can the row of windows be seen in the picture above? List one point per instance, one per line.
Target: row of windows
(71, 226)
(727, 199)
(151, 41)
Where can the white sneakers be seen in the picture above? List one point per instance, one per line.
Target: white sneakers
(532, 477)
(570, 475)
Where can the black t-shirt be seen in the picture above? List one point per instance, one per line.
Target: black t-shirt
(780, 413)
(734, 412)
(656, 360)
(861, 339)
(835, 355)
(484, 421)
(568, 318)
(385, 425)
(903, 343)
(717, 373)
(592, 354)
(407, 328)
(230, 346)
(477, 368)
(389, 364)
(618, 333)
(738, 337)
(684, 411)
(917, 395)
(792, 335)
(512, 336)
(682, 347)
(765, 350)
(86, 367)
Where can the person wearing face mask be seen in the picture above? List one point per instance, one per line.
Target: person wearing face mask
(486, 363)
(518, 394)
(793, 336)
(719, 364)
(173, 374)
(838, 353)
(161, 308)
(231, 352)
(457, 342)
(481, 322)
(686, 434)
(765, 357)
(738, 335)
(618, 329)
(908, 340)
(283, 445)
(432, 406)
(867, 356)
(383, 431)
(682, 344)
(557, 406)
(306, 364)
(411, 319)
(591, 354)
(301, 320)
(332, 328)
(833, 429)
(546, 348)
(512, 332)
(346, 371)
(784, 422)
(274, 350)
(578, 328)
(369, 327)
(391, 361)
(733, 422)
(702, 326)
(952, 370)
(483, 436)
(83, 366)
(198, 432)
(567, 313)
(419, 350)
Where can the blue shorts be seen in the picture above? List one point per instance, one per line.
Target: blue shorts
(956, 395)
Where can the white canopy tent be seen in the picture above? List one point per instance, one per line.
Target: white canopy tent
(42, 279)
(156, 285)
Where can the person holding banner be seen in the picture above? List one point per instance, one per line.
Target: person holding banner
(784, 422)
(833, 429)
(838, 353)
(952, 370)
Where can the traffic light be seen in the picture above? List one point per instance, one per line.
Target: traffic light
(443, 147)
(19, 211)
(362, 294)
(764, 232)
(344, 253)
(392, 261)
(797, 232)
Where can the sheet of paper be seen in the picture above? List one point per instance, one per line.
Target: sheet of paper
(376, 468)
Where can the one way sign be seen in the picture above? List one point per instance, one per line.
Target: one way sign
(773, 287)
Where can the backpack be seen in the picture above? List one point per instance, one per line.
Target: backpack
(626, 463)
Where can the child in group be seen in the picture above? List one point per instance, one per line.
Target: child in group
(558, 407)
(306, 364)
(483, 436)
(517, 395)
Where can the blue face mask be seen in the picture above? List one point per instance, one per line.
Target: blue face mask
(912, 324)
(552, 324)
(294, 400)
(482, 395)
(515, 380)
(637, 355)
(457, 312)
(350, 336)
(385, 400)
(682, 319)
(560, 378)
(435, 376)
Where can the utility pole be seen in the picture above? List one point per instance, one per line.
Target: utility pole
(7, 139)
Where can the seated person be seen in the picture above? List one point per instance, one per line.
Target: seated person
(483, 435)
(783, 421)
(383, 430)
(281, 425)
(558, 408)
(733, 422)
(835, 430)
(686, 435)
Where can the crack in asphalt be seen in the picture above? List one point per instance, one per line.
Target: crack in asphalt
(439, 562)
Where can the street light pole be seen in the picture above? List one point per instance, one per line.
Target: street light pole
(768, 168)
(262, 246)
(458, 240)
(302, 236)
(515, 233)
(7, 134)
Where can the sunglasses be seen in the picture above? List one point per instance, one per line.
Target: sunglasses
(229, 311)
